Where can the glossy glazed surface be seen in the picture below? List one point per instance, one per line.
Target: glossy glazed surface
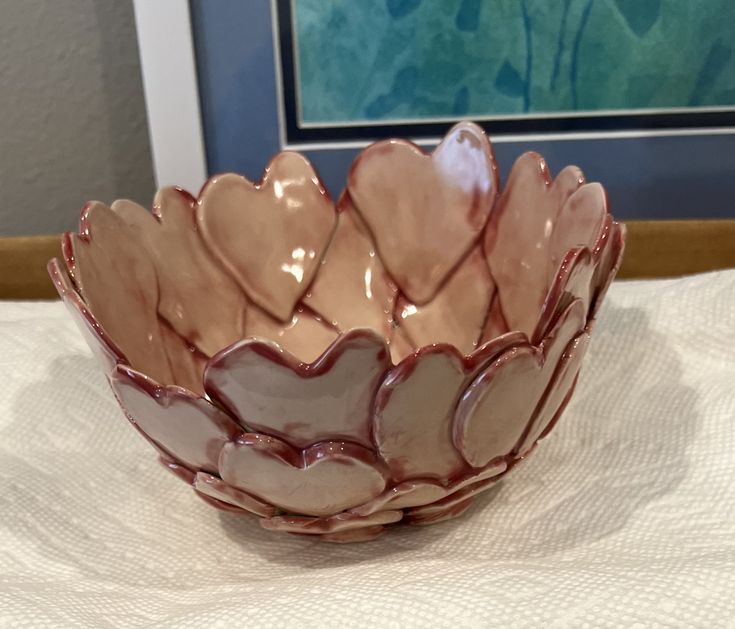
(270, 236)
(333, 371)
(425, 211)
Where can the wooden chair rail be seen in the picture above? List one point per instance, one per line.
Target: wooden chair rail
(675, 248)
(654, 249)
(23, 267)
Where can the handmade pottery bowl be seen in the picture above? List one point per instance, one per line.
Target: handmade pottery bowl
(336, 369)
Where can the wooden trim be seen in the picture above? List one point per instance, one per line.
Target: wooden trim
(23, 267)
(654, 249)
(675, 248)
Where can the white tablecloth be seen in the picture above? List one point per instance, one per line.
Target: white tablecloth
(625, 516)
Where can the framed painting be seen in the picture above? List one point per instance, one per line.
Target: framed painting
(358, 70)
(640, 95)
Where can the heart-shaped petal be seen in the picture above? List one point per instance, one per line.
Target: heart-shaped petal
(102, 346)
(400, 346)
(189, 428)
(609, 256)
(425, 211)
(450, 507)
(418, 492)
(186, 271)
(352, 289)
(190, 478)
(555, 395)
(270, 235)
(218, 489)
(305, 335)
(573, 281)
(497, 407)
(457, 313)
(410, 493)
(440, 514)
(118, 282)
(517, 238)
(413, 429)
(318, 526)
(187, 364)
(324, 479)
(495, 323)
(329, 399)
(178, 470)
(227, 507)
(353, 536)
(554, 419)
(580, 224)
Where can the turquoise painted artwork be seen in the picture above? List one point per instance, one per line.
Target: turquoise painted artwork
(398, 60)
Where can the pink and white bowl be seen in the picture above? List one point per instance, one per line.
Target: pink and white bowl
(336, 369)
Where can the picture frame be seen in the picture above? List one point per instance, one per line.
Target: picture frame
(223, 99)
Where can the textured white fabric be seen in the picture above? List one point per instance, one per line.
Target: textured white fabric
(625, 516)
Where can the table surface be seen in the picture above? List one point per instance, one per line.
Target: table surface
(625, 514)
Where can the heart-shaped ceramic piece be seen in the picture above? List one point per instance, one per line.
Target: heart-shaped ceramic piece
(341, 522)
(425, 211)
(609, 256)
(450, 507)
(304, 336)
(557, 394)
(352, 288)
(112, 271)
(187, 363)
(215, 488)
(580, 223)
(271, 235)
(573, 282)
(496, 408)
(413, 430)
(185, 426)
(458, 312)
(302, 403)
(422, 491)
(185, 273)
(102, 346)
(324, 479)
(535, 222)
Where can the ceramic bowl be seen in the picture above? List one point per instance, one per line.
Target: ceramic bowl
(333, 369)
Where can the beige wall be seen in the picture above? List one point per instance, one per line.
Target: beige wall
(72, 115)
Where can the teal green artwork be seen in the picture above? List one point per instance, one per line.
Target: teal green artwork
(390, 60)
